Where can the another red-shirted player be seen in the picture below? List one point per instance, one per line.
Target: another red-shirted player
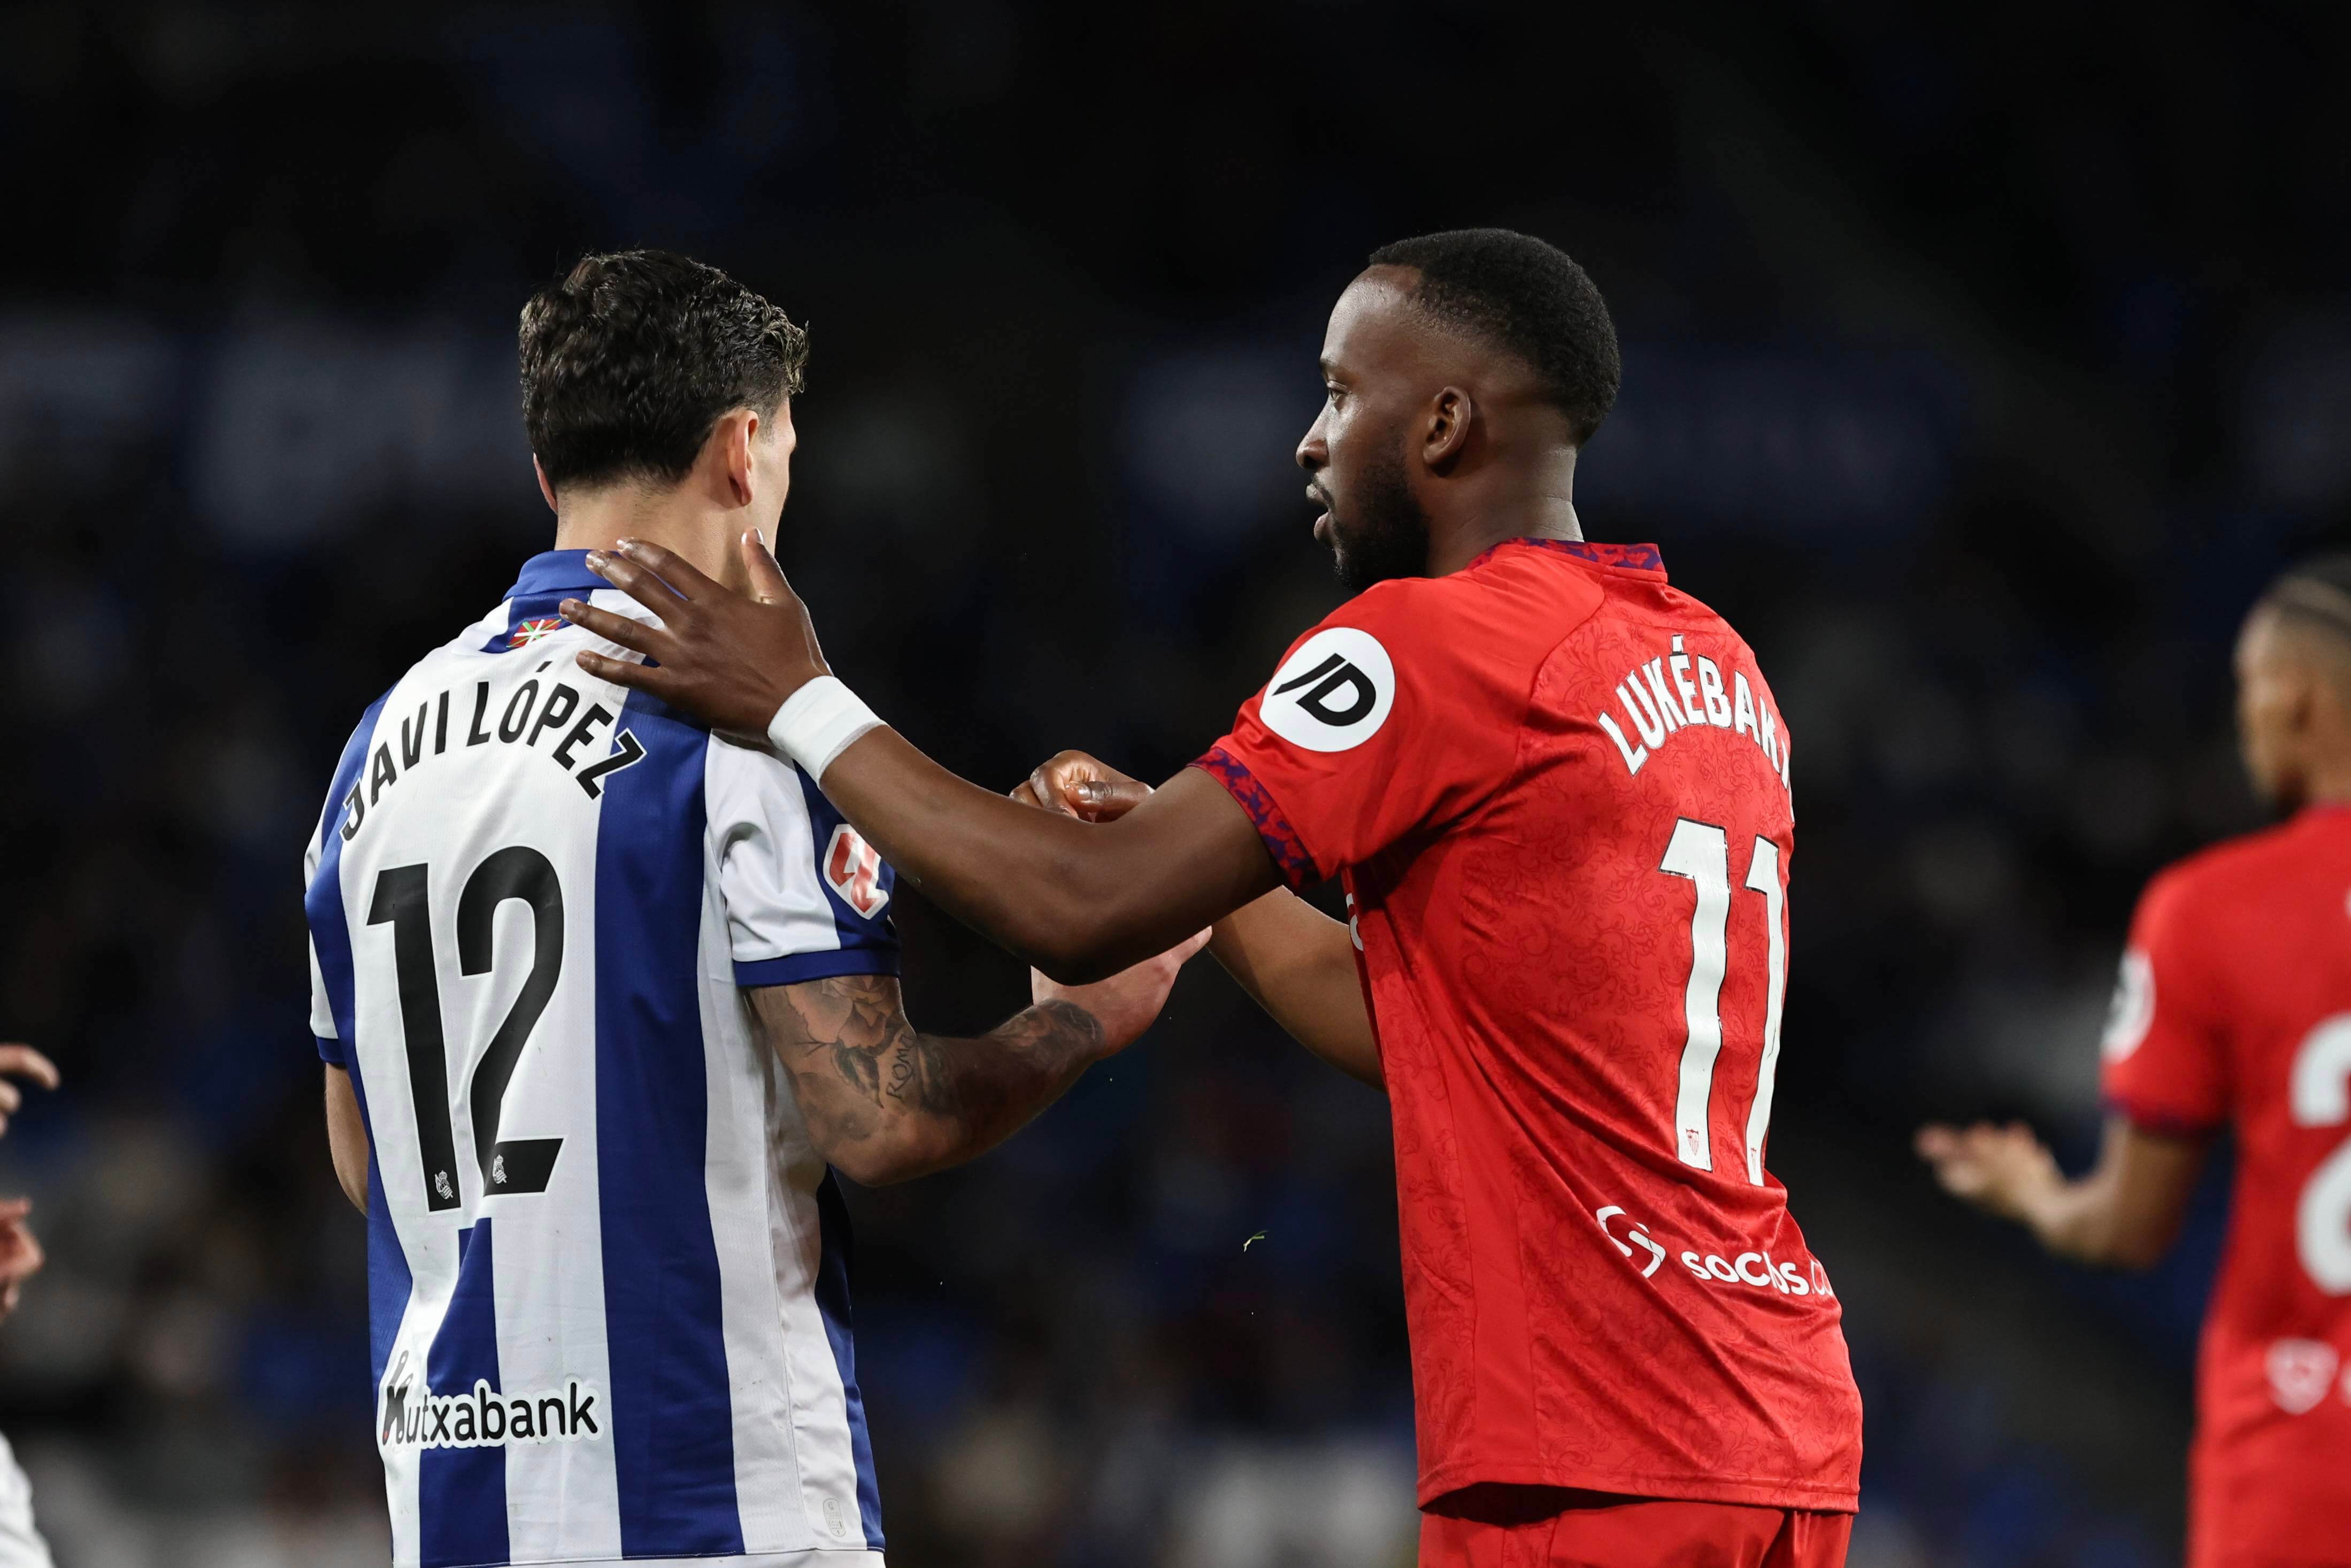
(1556, 789)
(2234, 1010)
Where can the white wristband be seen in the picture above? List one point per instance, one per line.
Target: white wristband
(817, 723)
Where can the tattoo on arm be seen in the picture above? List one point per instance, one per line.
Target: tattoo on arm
(879, 1095)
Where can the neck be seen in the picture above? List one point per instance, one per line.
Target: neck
(675, 519)
(1495, 505)
(2329, 785)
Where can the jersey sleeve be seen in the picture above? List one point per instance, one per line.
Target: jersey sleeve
(807, 897)
(2165, 1064)
(322, 1015)
(332, 1051)
(1387, 718)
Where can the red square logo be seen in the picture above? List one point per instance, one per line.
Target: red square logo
(854, 871)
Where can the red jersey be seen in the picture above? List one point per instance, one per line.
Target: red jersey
(1556, 790)
(2234, 1010)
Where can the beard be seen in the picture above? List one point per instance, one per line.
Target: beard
(1385, 534)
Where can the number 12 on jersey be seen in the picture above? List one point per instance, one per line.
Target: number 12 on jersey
(514, 1164)
(1701, 851)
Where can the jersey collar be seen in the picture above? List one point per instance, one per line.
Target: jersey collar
(1642, 559)
(555, 571)
(535, 603)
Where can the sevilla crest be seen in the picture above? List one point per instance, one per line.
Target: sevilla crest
(854, 871)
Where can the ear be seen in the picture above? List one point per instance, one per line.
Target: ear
(545, 488)
(729, 454)
(1446, 432)
(2321, 705)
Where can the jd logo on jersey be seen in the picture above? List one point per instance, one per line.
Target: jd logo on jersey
(1333, 693)
(854, 871)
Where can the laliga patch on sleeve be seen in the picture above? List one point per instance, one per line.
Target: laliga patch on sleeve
(852, 869)
(1333, 694)
(2132, 1011)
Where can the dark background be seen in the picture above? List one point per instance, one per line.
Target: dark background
(1979, 369)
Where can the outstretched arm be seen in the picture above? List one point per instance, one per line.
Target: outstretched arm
(1079, 902)
(884, 1101)
(2126, 1213)
(1294, 961)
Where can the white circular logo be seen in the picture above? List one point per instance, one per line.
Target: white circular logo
(2133, 1009)
(1333, 694)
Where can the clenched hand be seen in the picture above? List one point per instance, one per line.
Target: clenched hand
(1074, 784)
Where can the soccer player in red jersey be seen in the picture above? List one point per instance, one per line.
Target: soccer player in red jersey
(2234, 1012)
(1556, 789)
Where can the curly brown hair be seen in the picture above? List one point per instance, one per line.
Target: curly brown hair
(629, 358)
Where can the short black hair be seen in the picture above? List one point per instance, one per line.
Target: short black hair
(2315, 590)
(1530, 298)
(629, 358)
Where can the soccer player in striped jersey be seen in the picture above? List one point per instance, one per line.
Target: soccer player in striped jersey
(604, 998)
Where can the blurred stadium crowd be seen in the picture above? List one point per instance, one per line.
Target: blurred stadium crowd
(1978, 374)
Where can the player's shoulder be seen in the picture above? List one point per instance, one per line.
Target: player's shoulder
(1586, 601)
(1512, 604)
(2219, 876)
(2248, 858)
(1634, 592)
(750, 782)
(754, 797)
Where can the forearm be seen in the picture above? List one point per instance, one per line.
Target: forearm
(2092, 1221)
(1299, 965)
(1017, 876)
(2074, 1219)
(2124, 1214)
(995, 1085)
(1079, 901)
(1079, 904)
(885, 1103)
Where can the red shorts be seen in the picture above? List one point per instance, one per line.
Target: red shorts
(1538, 1527)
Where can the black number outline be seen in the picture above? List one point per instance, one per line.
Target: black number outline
(516, 1166)
(401, 899)
(515, 871)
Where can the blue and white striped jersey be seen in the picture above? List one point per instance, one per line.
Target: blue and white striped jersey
(607, 1270)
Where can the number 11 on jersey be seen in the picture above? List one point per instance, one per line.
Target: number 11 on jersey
(1701, 851)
